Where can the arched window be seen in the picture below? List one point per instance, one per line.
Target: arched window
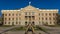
(25, 23)
(33, 23)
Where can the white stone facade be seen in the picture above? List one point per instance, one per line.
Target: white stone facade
(30, 14)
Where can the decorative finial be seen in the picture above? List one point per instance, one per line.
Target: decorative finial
(29, 3)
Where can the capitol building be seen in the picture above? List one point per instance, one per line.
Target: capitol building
(29, 14)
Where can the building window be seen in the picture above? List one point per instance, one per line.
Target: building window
(12, 23)
(46, 23)
(25, 23)
(43, 22)
(54, 22)
(29, 16)
(39, 18)
(12, 18)
(53, 14)
(26, 17)
(13, 14)
(53, 18)
(16, 22)
(56, 14)
(42, 18)
(5, 18)
(5, 14)
(5, 22)
(8, 22)
(9, 14)
(19, 18)
(33, 17)
(19, 22)
(39, 14)
(49, 18)
(33, 23)
(46, 14)
(9, 18)
(50, 22)
(49, 14)
(46, 18)
(25, 13)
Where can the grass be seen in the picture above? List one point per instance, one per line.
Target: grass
(53, 25)
(18, 29)
(23, 28)
(6, 26)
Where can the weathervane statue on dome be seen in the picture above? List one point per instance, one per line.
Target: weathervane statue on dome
(29, 3)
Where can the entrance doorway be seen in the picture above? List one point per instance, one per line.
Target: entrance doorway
(25, 23)
(33, 23)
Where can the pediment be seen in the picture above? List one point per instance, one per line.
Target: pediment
(29, 8)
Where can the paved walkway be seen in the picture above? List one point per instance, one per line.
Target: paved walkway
(2, 30)
(51, 30)
(23, 32)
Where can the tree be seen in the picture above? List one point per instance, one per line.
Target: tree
(0, 20)
(58, 19)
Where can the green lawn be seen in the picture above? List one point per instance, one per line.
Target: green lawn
(24, 28)
(6, 26)
(18, 29)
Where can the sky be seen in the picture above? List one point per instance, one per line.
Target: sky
(17, 4)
